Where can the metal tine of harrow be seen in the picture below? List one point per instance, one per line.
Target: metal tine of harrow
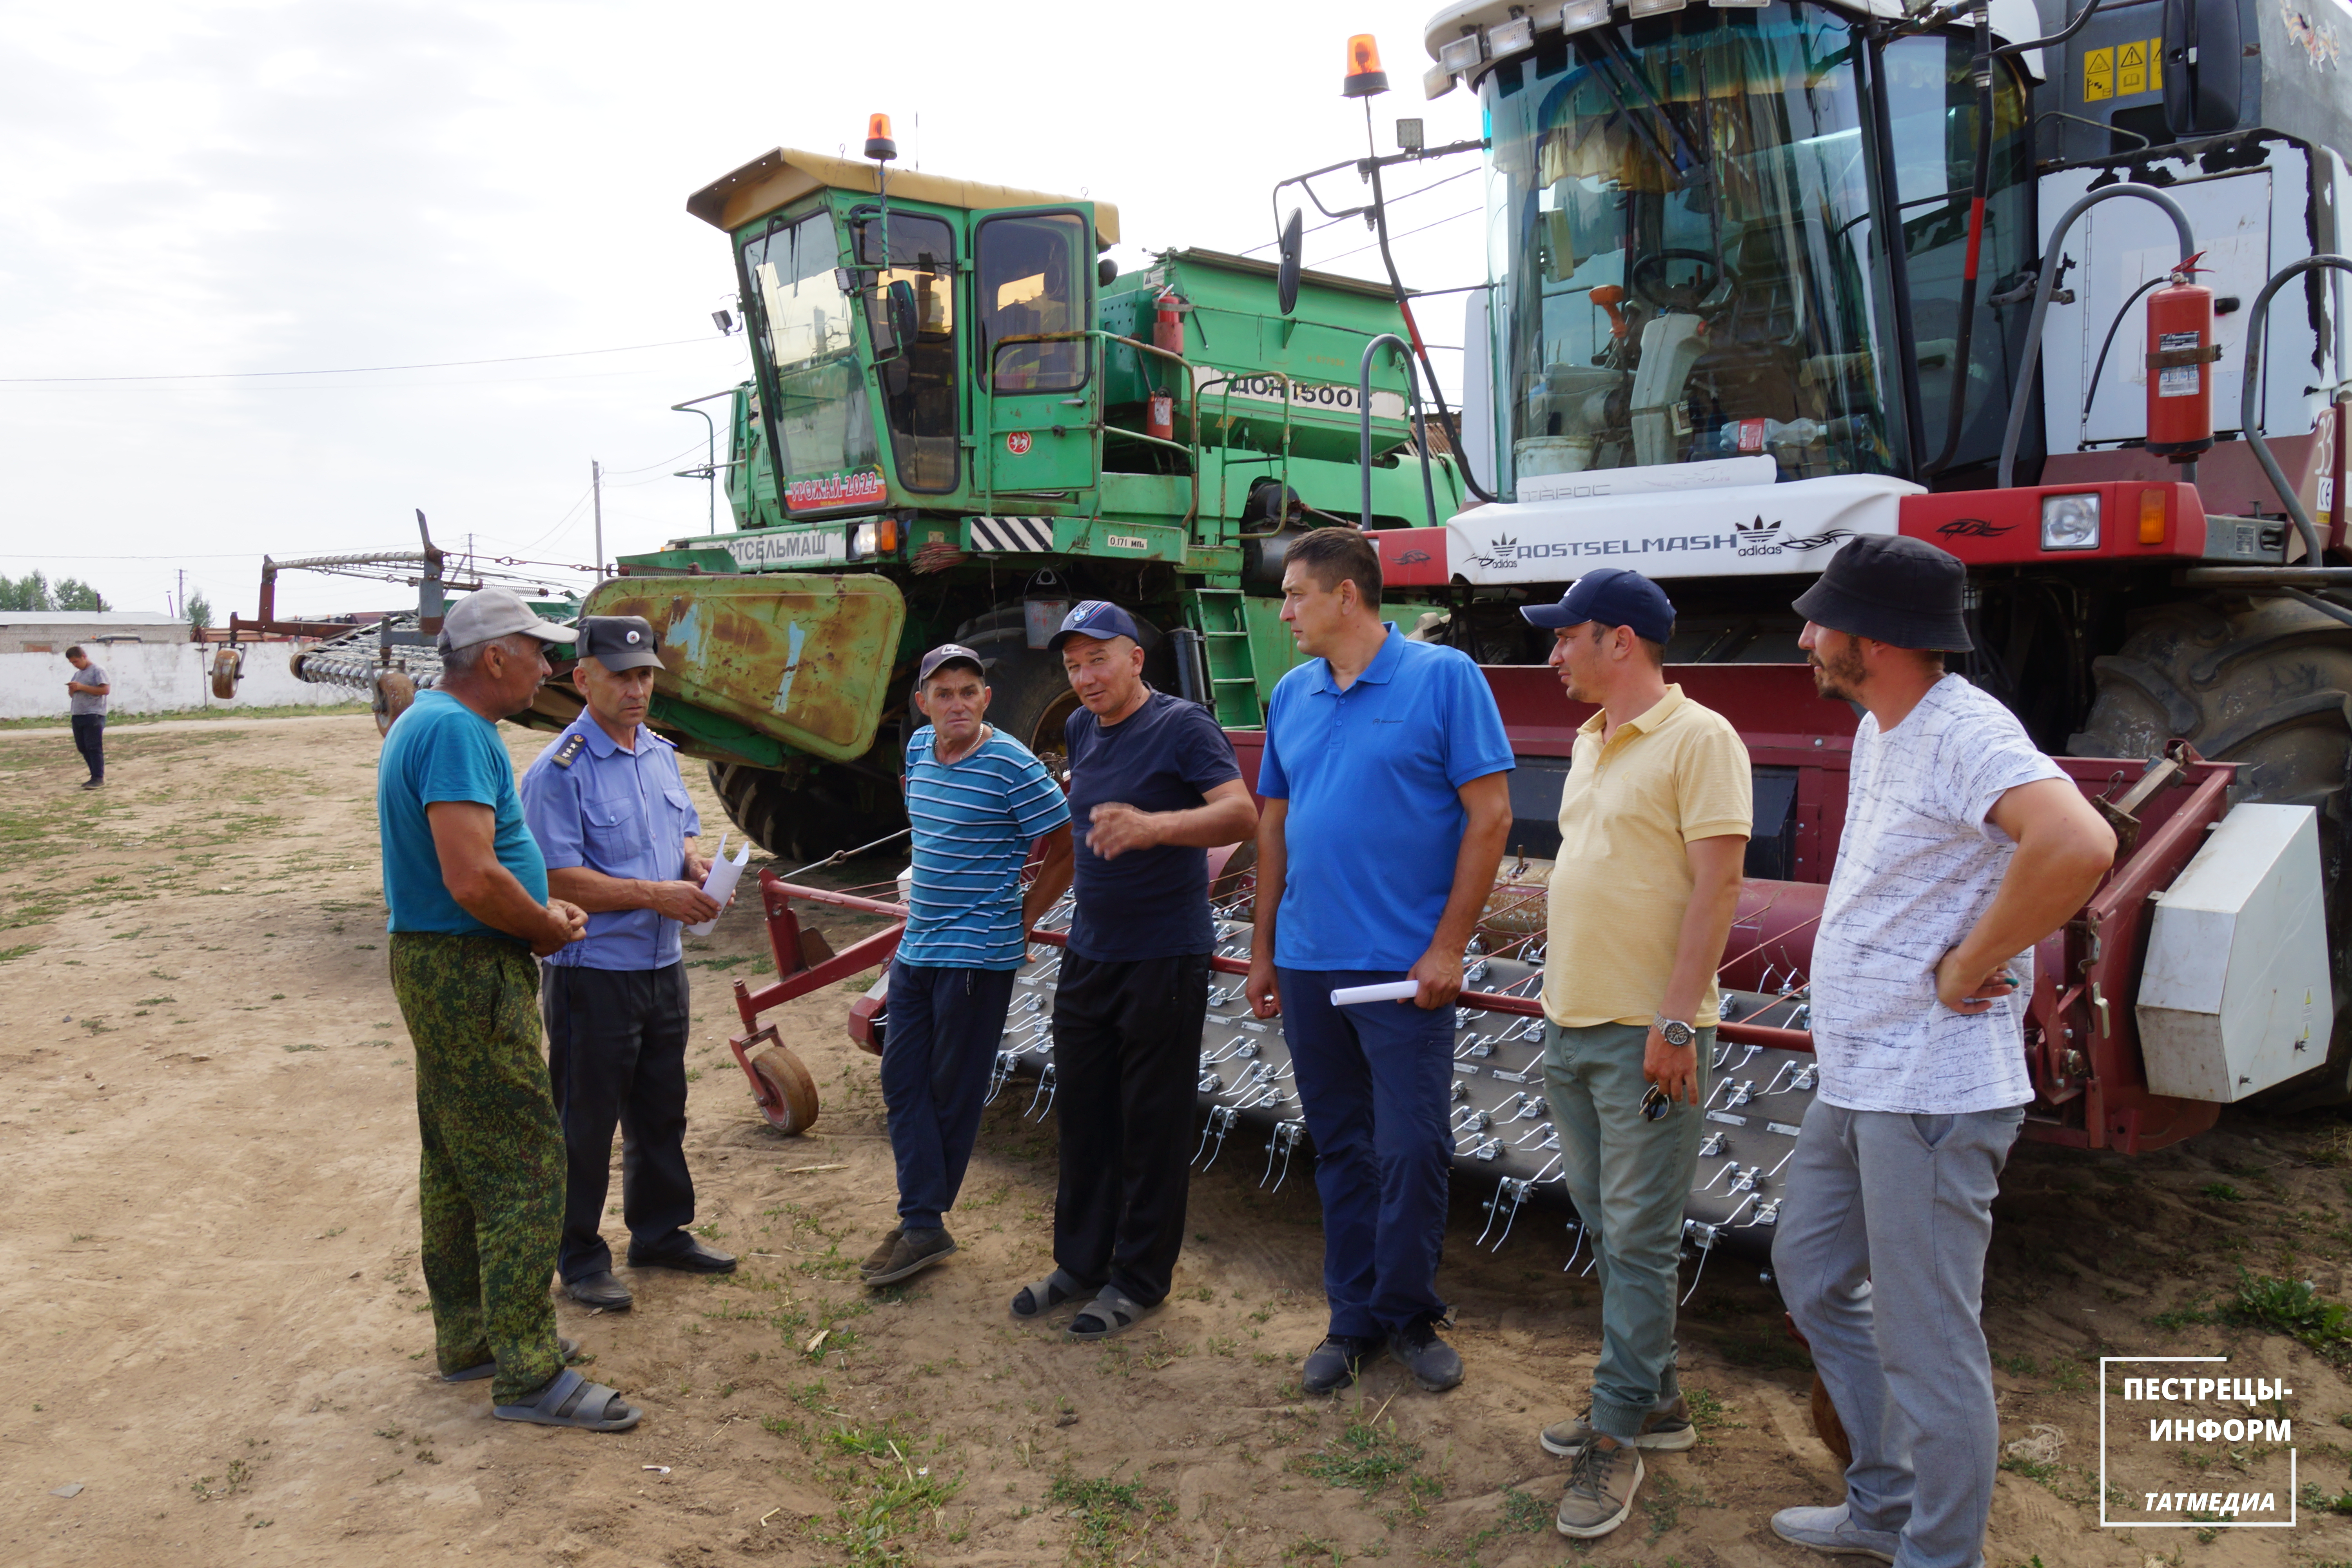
(1047, 1088)
(1766, 1213)
(1542, 1130)
(1283, 1141)
(1545, 1174)
(1728, 1166)
(1787, 1068)
(1576, 1228)
(1705, 1238)
(1220, 1122)
(1784, 1160)
(999, 1073)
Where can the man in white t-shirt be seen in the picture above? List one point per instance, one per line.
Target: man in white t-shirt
(1964, 847)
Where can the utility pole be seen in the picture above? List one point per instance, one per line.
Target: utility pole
(183, 602)
(597, 486)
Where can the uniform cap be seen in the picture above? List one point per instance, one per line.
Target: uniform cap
(619, 642)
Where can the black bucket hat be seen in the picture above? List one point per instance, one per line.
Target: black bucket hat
(1893, 589)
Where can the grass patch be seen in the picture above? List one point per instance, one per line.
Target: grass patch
(127, 720)
(1522, 1515)
(8, 954)
(1106, 1513)
(2223, 1191)
(1664, 1503)
(898, 1499)
(2290, 1307)
(1364, 1456)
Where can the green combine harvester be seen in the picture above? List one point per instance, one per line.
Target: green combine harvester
(961, 422)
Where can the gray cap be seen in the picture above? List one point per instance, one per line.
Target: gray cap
(496, 612)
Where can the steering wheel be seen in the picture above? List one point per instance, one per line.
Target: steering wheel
(1680, 296)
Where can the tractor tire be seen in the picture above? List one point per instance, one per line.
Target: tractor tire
(2266, 683)
(1029, 695)
(805, 818)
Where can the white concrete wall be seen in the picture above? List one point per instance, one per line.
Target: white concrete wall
(159, 677)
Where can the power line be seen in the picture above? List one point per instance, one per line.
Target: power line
(1417, 190)
(348, 370)
(1473, 212)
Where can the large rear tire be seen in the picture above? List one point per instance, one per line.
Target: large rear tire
(808, 817)
(2266, 683)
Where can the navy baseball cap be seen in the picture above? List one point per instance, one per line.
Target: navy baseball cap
(949, 653)
(1615, 596)
(1096, 618)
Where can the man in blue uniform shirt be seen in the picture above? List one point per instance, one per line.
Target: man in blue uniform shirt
(1153, 785)
(1386, 807)
(612, 815)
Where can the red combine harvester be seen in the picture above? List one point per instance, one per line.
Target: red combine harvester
(1976, 284)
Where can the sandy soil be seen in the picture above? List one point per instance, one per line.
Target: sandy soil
(214, 1321)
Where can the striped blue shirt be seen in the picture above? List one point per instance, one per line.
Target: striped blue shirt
(974, 820)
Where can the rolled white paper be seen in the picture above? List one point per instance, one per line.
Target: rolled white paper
(720, 883)
(1387, 991)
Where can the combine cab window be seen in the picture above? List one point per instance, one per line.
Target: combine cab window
(1679, 222)
(1033, 299)
(918, 377)
(813, 386)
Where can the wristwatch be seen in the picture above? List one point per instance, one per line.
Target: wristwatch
(1675, 1032)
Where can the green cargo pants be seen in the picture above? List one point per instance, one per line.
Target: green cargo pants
(489, 1178)
(1628, 1177)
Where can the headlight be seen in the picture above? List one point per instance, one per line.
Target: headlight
(1583, 15)
(1461, 53)
(1507, 38)
(879, 538)
(2070, 522)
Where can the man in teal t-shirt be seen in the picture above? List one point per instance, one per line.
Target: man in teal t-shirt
(470, 917)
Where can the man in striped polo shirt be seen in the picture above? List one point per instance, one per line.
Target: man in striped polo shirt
(977, 800)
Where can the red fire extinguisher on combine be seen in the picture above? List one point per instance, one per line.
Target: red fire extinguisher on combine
(1167, 333)
(2181, 352)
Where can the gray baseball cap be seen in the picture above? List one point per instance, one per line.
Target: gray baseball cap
(496, 612)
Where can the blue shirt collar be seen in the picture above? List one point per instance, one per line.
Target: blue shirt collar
(1384, 663)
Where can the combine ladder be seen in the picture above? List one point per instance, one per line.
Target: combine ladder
(1217, 614)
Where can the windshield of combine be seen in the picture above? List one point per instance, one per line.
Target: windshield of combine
(1678, 224)
(815, 392)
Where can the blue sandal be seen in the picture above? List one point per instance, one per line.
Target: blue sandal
(1046, 1294)
(572, 1401)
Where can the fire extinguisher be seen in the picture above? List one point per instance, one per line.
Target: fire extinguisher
(1167, 333)
(2180, 348)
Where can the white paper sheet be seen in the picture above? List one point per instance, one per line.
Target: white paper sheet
(720, 883)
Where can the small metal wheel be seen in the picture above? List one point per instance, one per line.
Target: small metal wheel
(229, 663)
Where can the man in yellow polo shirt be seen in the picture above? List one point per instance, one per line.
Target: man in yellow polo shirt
(1654, 826)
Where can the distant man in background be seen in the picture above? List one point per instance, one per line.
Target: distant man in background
(470, 915)
(1653, 824)
(622, 840)
(977, 801)
(1153, 786)
(1964, 847)
(86, 702)
(1386, 807)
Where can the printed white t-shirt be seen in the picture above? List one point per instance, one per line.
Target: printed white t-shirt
(1918, 866)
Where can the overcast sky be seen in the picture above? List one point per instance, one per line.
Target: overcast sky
(194, 189)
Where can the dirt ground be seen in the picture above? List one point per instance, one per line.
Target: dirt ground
(215, 1322)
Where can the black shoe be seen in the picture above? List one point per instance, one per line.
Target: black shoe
(94, 784)
(1434, 1364)
(912, 1252)
(692, 1258)
(1335, 1362)
(599, 1291)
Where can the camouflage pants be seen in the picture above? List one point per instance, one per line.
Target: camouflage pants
(489, 1179)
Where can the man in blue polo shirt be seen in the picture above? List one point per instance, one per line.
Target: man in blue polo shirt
(1386, 808)
(622, 840)
(977, 800)
(1153, 786)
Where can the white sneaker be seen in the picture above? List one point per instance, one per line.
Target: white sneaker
(1827, 1530)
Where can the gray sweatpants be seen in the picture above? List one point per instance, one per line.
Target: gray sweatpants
(1880, 1254)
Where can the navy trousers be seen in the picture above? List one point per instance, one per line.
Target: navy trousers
(89, 740)
(944, 1028)
(616, 1054)
(1374, 1082)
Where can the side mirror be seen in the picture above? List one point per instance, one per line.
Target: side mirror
(905, 315)
(1286, 278)
(1106, 271)
(2203, 48)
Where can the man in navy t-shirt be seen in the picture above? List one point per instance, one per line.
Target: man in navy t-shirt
(1153, 785)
